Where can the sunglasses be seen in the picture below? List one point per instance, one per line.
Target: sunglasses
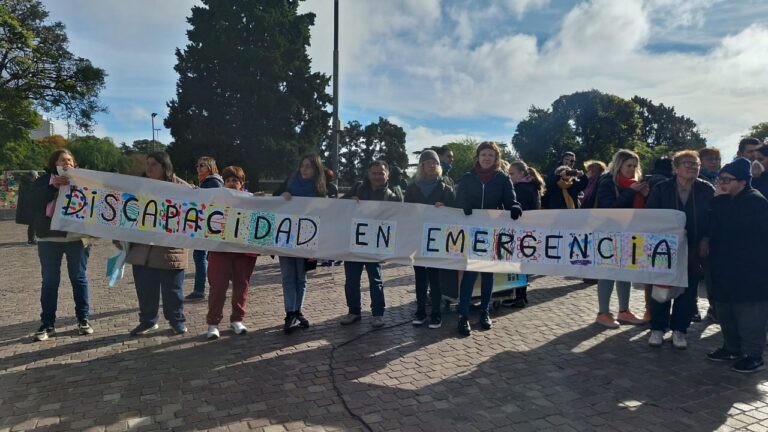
(725, 180)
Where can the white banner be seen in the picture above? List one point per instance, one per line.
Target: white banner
(630, 245)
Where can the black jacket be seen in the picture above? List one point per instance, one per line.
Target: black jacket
(25, 212)
(553, 197)
(761, 184)
(498, 193)
(528, 194)
(441, 193)
(664, 196)
(42, 194)
(609, 195)
(364, 191)
(211, 182)
(738, 252)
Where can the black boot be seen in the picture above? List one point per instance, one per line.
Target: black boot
(464, 328)
(291, 322)
(303, 323)
(485, 320)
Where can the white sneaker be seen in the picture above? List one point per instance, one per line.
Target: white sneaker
(678, 340)
(213, 332)
(377, 322)
(656, 339)
(238, 327)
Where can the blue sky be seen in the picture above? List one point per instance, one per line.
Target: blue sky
(451, 69)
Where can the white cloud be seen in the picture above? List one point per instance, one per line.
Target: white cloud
(520, 7)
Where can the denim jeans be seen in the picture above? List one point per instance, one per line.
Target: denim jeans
(604, 290)
(683, 308)
(294, 282)
(743, 327)
(353, 271)
(150, 283)
(427, 277)
(201, 270)
(468, 285)
(50, 254)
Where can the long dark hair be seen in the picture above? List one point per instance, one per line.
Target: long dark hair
(54, 157)
(317, 165)
(164, 160)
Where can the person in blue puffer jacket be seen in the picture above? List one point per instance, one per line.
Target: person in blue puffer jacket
(484, 187)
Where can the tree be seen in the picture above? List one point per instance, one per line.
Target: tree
(36, 65)
(57, 141)
(463, 156)
(99, 154)
(143, 146)
(359, 146)
(759, 131)
(245, 92)
(24, 154)
(661, 126)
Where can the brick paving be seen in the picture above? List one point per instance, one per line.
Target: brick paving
(546, 367)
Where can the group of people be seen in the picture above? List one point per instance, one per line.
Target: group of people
(724, 208)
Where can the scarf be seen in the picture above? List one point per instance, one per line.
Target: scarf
(301, 187)
(50, 208)
(564, 186)
(427, 186)
(625, 183)
(484, 175)
(446, 167)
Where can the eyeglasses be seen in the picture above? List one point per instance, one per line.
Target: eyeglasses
(690, 164)
(725, 180)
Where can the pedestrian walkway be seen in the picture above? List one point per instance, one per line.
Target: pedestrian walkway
(546, 367)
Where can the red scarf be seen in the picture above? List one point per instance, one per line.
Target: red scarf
(625, 183)
(485, 175)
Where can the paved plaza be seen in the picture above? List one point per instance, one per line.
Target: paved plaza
(546, 367)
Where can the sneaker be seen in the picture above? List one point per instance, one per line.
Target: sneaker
(656, 338)
(485, 320)
(518, 303)
(349, 319)
(606, 320)
(303, 323)
(627, 317)
(143, 329)
(291, 323)
(44, 332)
(377, 322)
(194, 295)
(213, 332)
(419, 319)
(84, 327)
(179, 328)
(722, 355)
(435, 322)
(678, 340)
(238, 327)
(464, 328)
(748, 365)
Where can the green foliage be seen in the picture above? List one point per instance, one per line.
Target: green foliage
(759, 131)
(594, 125)
(25, 154)
(246, 93)
(36, 65)
(143, 146)
(463, 156)
(99, 154)
(359, 146)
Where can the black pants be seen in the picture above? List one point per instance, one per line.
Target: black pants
(743, 327)
(427, 277)
(150, 284)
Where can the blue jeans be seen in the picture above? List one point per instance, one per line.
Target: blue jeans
(353, 271)
(294, 282)
(150, 283)
(683, 308)
(201, 270)
(468, 285)
(604, 290)
(50, 254)
(743, 327)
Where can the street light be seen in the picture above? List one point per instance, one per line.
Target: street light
(336, 89)
(153, 130)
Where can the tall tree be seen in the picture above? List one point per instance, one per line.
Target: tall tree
(759, 131)
(245, 92)
(36, 65)
(100, 154)
(359, 146)
(663, 127)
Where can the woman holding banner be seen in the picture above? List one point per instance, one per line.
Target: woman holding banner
(208, 174)
(484, 187)
(307, 181)
(158, 269)
(689, 194)
(619, 188)
(53, 245)
(429, 188)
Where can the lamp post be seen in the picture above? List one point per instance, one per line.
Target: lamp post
(336, 89)
(153, 130)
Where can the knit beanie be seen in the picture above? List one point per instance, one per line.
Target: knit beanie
(741, 168)
(427, 155)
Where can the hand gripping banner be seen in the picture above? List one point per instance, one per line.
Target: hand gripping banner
(629, 245)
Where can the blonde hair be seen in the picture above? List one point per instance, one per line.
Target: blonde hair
(530, 171)
(420, 174)
(618, 161)
(504, 165)
(210, 163)
(595, 163)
